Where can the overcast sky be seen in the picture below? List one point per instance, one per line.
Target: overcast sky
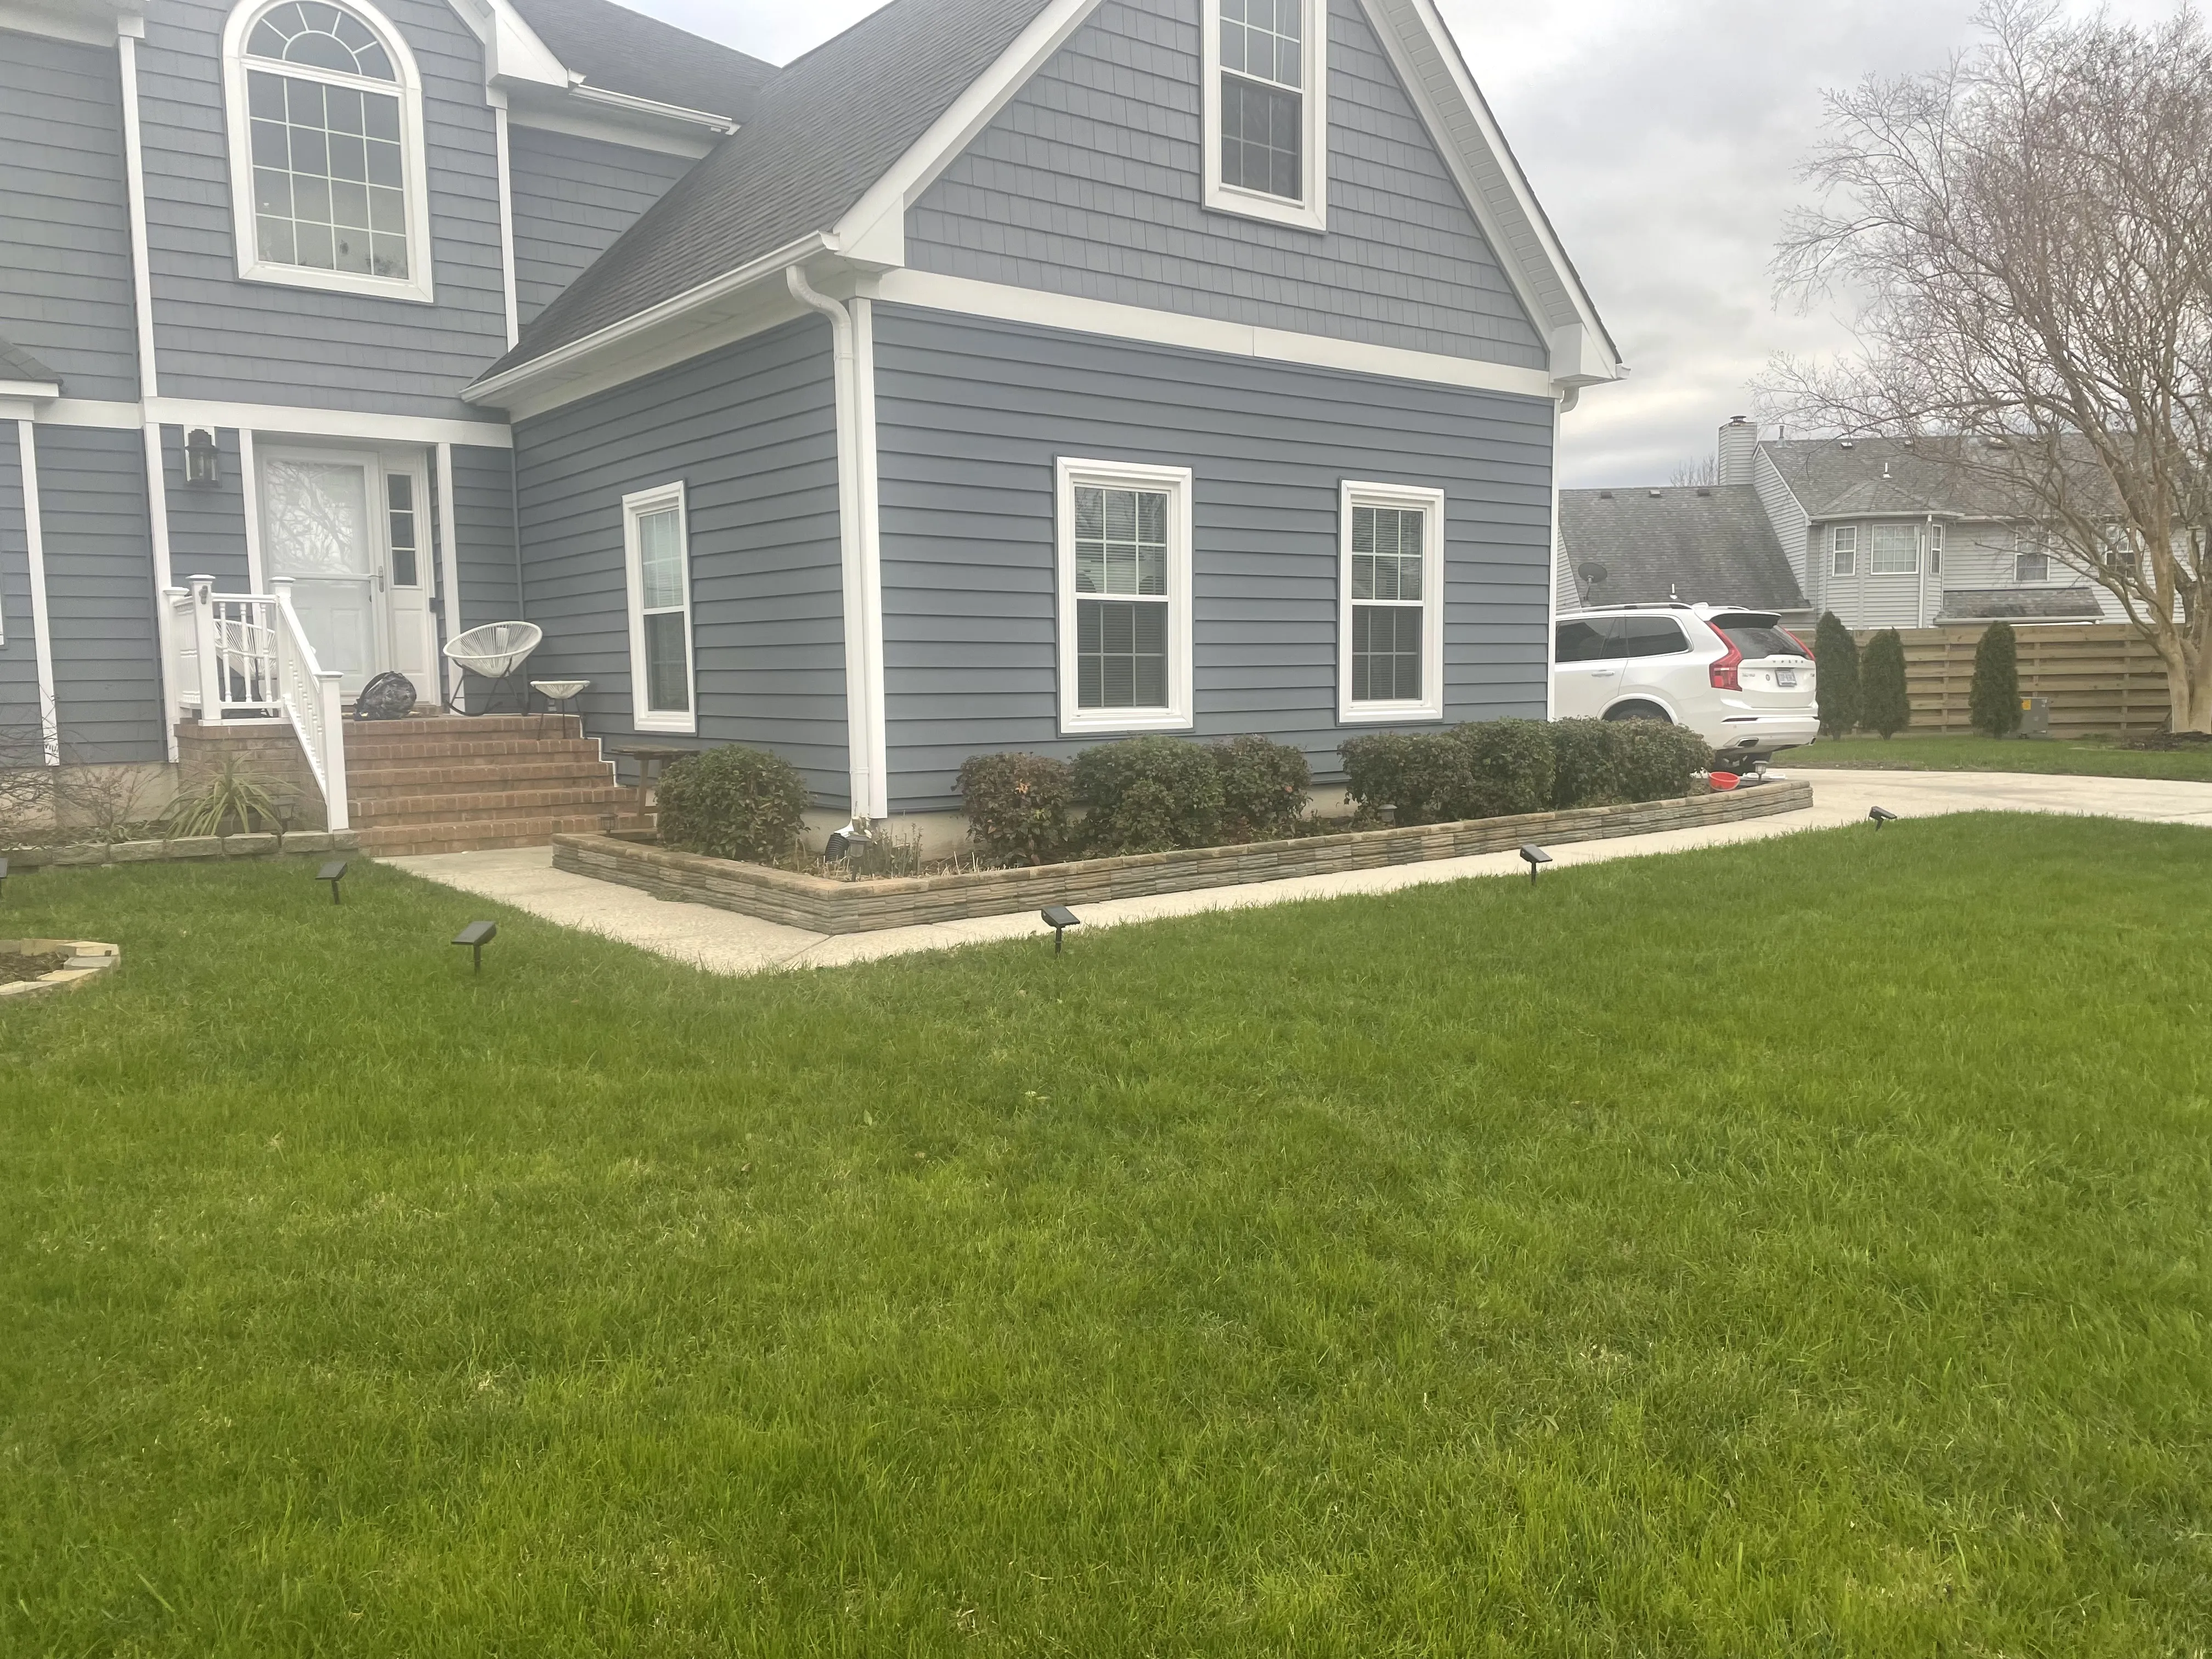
(1663, 138)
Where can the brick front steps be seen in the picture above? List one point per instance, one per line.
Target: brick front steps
(855, 907)
(446, 783)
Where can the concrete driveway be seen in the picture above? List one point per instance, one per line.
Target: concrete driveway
(723, 942)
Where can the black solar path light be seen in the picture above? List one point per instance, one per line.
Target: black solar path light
(1535, 858)
(475, 936)
(1060, 919)
(1881, 815)
(333, 872)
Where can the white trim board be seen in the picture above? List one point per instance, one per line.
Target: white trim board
(53, 24)
(157, 524)
(42, 630)
(282, 419)
(932, 292)
(134, 179)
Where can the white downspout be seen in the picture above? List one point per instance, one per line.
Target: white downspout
(858, 546)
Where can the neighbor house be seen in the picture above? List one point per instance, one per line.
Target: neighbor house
(1881, 531)
(1003, 373)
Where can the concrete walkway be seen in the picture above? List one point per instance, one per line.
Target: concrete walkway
(723, 942)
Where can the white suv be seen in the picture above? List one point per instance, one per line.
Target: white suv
(1735, 677)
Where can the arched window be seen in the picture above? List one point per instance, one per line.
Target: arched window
(326, 149)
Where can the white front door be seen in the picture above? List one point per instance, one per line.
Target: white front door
(351, 532)
(317, 530)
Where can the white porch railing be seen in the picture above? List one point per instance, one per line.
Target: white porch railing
(243, 657)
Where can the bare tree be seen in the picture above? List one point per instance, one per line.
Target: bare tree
(1686, 473)
(2028, 234)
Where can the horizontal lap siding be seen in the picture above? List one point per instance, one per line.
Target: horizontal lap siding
(207, 522)
(1089, 183)
(66, 292)
(752, 430)
(573, 196)
(99, 592)
(19, 662)
(216, 337)
(971, 417)
(483, 536)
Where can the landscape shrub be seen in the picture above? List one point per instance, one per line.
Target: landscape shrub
(1586, 763)
(1148, 795)
(1994, 703)
(1655, 760)
(1836, 659)
(733, 802)
(1017, 805)
(1509, 768)
(1263, 788)
(1416, 779)
(1884, 706)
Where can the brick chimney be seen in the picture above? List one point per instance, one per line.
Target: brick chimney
(1739, 442)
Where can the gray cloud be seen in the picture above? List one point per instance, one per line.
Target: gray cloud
(1663, 138)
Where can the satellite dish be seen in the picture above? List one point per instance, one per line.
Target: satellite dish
(1592, 574)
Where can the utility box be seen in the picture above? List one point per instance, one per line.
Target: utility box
(2035, 717)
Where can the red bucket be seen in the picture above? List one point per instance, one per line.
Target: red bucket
(1723, 779)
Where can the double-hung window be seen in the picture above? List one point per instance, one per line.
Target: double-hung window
(1896, 549)
(656, 548)
(1843, 551)
(1390, 625)
(2031, 564)
(1124, 561)
(327, 153)
(1266, 118)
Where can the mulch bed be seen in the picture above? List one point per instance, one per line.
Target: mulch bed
(14, 968)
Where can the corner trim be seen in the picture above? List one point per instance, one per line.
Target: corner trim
(157, 524)
(42, 629)
(134, 178)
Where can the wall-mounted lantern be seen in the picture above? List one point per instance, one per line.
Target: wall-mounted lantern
(202, 460)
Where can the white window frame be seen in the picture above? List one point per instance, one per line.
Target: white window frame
(1177, 716)
(417, 288)
(1912, 569)
(2029, 548)
(1311, 212)
(1844, 544)
(1430, 706)
(635, 506)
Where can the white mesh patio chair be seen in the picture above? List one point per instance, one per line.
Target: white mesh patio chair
(494, 652)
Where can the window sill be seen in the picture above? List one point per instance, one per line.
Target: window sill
(410, 292)
(1377, 713)
(1268, 210)
(1120, 721)
(682, 726)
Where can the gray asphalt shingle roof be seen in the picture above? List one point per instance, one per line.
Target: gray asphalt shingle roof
(1866, 478)
(819, 133)
(618, 50)
(1709, 545)
(17, 364)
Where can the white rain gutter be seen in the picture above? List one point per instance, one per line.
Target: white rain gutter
(859, 544)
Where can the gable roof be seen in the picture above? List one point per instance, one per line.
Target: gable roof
(618, 50)
(1870, 477)
(20, 366)
(824, 129)
(1698, 543)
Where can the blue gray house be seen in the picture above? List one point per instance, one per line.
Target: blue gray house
(1003, 373)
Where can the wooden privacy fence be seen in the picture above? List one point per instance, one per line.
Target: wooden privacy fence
(2103, 678)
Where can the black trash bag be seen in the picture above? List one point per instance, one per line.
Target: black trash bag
(386, 697)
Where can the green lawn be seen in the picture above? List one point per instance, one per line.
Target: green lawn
(1799, 1247)
(2085, 759)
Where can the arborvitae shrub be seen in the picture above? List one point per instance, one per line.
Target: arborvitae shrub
(1836, 660)
(1017, 806)
(1148, 795)
(1994, 703)
(732, 804)
(1263, 788)
(1884, 705)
